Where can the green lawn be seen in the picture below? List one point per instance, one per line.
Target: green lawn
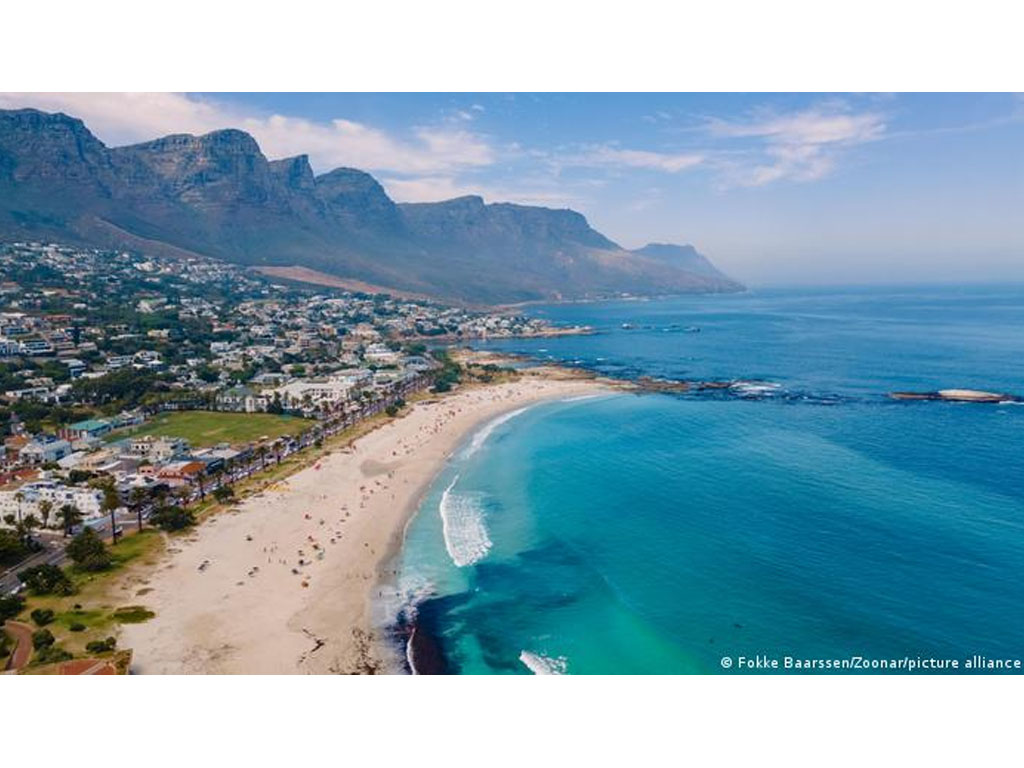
(97, 603)
(205, 428)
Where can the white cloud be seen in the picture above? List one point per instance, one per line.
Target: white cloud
(814, 127)
(124, 118)
(801, 146)
(612, 156)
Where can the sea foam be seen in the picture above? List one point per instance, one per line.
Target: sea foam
(478, 439)
(462, 518)
(543, 665)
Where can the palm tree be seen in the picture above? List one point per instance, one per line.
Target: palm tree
(45, 508)
(70, 516)
(111, 501)
(136, 500)
(28, 524)
(181, 496)
(19, 497)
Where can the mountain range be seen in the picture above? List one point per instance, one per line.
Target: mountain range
(218, 196)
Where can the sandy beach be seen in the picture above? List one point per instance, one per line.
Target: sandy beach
(283, 583)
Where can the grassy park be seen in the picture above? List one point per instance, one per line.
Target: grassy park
(206, 428)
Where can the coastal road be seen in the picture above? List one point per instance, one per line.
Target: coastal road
(51, 554)
(53, 550)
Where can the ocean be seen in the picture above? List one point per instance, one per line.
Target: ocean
(807, 516)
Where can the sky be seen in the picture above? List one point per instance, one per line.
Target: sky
(775, 188)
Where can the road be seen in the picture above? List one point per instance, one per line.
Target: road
(51, 554)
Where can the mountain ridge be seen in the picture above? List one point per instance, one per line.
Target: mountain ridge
(218, 195)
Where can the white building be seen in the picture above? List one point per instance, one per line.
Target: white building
(40, 452)
(88, 500)
(379, 354)
(157, 449)
(308, 394)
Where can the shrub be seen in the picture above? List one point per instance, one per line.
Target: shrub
(46, 580)
(172, 518)
(42, 616)
(42, 638)
(223, 493)
(52, 654)
(101, 646)
(88, 551)
(10, 606)
(133, 614)
(77, 627)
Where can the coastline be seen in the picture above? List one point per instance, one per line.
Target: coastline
(290, 573)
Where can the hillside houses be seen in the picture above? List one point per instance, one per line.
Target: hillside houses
(92, 341)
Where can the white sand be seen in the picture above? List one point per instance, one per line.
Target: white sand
(247, 612)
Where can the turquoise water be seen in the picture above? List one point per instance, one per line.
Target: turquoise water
(658, 533)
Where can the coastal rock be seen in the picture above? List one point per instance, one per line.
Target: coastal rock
(958, 396)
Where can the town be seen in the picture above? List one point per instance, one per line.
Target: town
(133, 387)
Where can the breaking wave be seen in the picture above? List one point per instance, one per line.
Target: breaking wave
(544, 665)
(578, 398)
(485, 432)
(462, 518)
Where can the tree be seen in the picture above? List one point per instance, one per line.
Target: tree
(45, 508)
(217, 476)
(111, 501)
(101, 646)
(223, 493)
(52, 654)
(42, 638)
(172, 518)
(28, 524)
(88, 551)
(10, 606)
(19, 497)
(136, 501)
(42, 616)
(46, 579)
(23, 527)
(12, 549)
(70, 516)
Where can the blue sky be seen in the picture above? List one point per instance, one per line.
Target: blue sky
(776, 188)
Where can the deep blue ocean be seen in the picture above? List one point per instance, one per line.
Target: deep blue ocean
(810, 517)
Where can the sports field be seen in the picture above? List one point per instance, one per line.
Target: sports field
(205, 428)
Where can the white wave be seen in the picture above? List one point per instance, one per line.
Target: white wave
(578, 398)
(544, 665)
(399, 603)
(755, 388)
(485, 432)
(408, 653)
(462, 518)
